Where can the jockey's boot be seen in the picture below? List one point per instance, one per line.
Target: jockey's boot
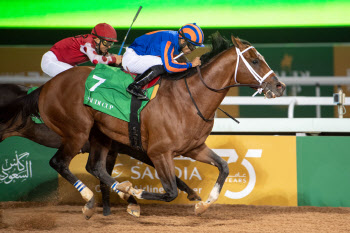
(135, 88)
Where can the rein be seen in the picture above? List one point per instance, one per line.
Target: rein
(200, 113)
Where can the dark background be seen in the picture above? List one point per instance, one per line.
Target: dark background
(254, 35)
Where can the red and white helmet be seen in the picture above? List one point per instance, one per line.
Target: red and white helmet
(105, 31)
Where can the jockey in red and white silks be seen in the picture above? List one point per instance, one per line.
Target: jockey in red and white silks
(76, 50)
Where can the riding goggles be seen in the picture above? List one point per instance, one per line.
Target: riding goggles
(191, 46)
(107, 43)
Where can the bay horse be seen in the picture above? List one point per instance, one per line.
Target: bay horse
(170, 124)
(43, 135)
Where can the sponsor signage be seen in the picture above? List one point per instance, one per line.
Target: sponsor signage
(25, 173)
(262, 172)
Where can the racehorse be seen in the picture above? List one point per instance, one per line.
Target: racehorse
(171, 124)
(41, 134)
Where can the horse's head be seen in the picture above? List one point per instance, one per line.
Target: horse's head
(255, 71)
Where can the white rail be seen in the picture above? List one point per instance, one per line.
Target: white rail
(286, 101)
(282, 125)
(23, 80)
(316, 80)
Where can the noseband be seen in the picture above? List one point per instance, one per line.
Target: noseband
(252, 71)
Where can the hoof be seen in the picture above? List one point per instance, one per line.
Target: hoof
(134, 210)
(89, 209)
(200, 208)
(194, 197)
(106, 211)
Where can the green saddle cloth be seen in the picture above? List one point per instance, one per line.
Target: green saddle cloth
(105, 91)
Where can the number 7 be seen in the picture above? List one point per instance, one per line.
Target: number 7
(100, 81)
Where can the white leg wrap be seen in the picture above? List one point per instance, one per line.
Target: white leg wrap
(214, 194)
(85, 192)
(114, 187)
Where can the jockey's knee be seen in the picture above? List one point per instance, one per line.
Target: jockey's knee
(158, 69)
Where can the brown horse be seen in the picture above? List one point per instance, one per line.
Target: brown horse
(170, 123)
(43, 135)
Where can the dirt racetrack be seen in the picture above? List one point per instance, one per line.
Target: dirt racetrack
(44, 217)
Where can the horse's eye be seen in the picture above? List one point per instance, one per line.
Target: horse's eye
(255, 61)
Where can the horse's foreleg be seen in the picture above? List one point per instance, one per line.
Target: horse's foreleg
(105, 188)
(97, 164)
(143, 157)
(206, 155)
(133, 207)
(191, 194)
(165, 167)
(60, 162)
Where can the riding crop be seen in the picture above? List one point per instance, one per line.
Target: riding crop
(121, 47)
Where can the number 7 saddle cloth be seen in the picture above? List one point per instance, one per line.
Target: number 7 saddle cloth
(105, 91)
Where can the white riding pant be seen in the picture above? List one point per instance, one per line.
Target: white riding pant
(51, 65)
(138, 63)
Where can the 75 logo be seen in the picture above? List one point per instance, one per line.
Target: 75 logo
(232, 158)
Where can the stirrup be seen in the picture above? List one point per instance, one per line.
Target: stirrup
(138, 92)
(144, 97)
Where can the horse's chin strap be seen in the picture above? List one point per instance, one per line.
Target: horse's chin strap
(252, 71)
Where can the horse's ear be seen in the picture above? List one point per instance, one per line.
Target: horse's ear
(234, 41)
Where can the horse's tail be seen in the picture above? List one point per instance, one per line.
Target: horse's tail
(20, 110)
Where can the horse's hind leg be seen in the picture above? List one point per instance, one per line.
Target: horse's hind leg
(60, 162)
(206, 155)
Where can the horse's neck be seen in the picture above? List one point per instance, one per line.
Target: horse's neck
(216, 74)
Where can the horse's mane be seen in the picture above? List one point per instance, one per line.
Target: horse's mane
(218, 43)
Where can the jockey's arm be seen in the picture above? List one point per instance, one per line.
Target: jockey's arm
(171, 65)
(95, 58)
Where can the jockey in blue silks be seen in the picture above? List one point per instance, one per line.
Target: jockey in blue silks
(153, 54)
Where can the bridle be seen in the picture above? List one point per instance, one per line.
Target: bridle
(257, 77)
(252, 71)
